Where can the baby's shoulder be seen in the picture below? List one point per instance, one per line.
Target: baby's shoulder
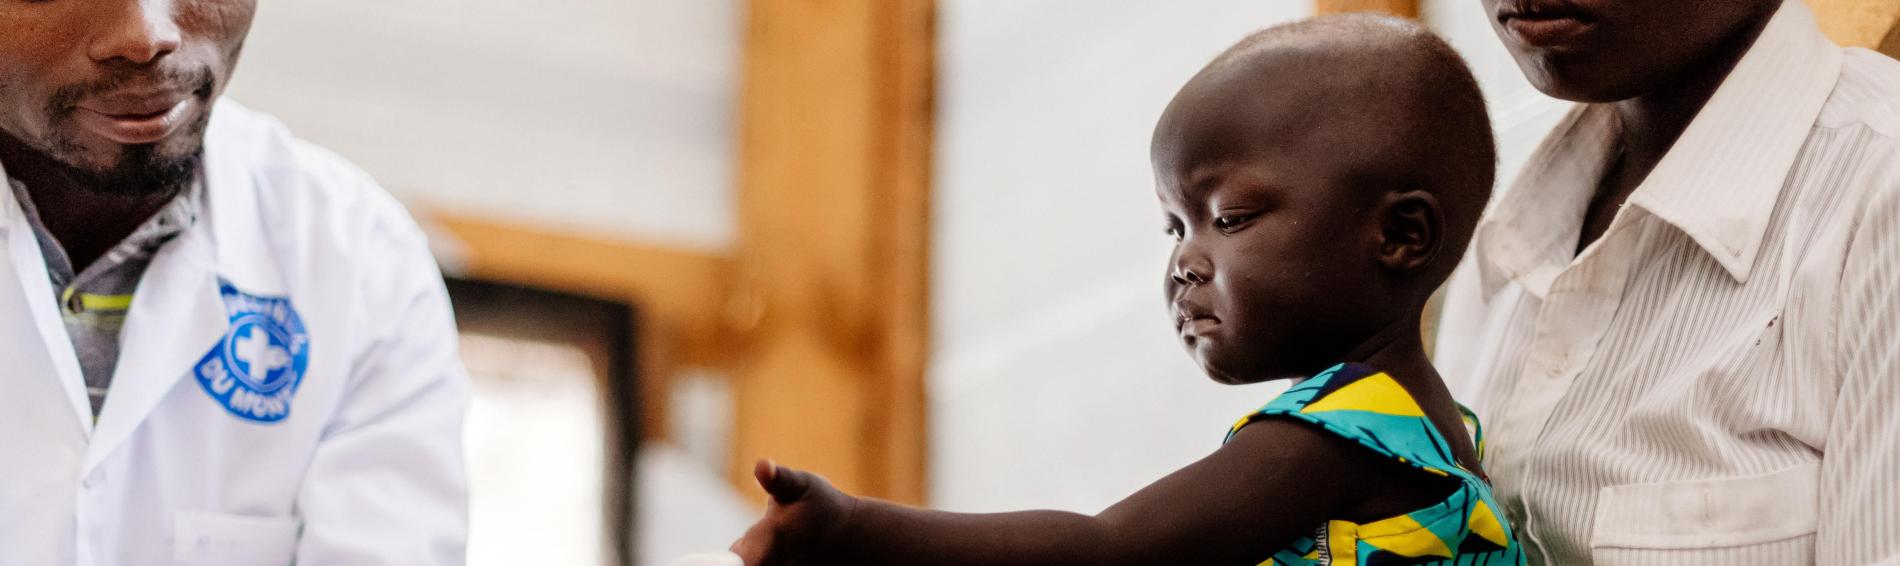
(1339, 396)
(1361, 405)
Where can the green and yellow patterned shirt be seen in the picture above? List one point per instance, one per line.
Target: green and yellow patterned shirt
(1367, 406)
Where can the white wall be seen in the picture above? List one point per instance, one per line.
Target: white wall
(1519, 113)
(611, 117)
(1057, 381)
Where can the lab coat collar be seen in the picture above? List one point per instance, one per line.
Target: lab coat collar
(8, 204)
(177, 315)
(22, 249)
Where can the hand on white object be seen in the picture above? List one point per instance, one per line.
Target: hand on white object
(709, 559)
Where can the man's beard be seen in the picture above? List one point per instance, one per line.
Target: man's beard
(142, 170)
(163, 168)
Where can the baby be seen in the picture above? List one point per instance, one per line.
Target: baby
(1320, 179)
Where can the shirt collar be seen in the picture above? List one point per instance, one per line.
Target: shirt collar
(7, 201)
(176, 216)
(1718, 184)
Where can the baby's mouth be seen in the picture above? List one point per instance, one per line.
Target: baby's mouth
(1195, 324)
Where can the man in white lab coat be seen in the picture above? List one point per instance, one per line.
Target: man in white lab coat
(218, 344)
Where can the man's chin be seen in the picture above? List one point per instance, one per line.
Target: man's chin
(162, 168)
(106, 167)
(141, 170)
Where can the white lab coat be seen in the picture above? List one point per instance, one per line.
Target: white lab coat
(365, 469)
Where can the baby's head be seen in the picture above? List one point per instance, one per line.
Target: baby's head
(1321, 180)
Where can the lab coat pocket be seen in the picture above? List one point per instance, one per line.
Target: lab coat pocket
(1702, 521)
(219, 539)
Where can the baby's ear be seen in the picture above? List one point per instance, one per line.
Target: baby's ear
(1412, 229)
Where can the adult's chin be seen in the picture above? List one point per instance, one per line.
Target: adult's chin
(165, 167)
(1579, 77)
(83, 143)
(142, 171)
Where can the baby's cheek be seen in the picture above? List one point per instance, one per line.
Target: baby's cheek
(1244, 346)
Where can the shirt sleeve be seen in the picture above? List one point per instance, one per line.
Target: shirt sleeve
(388, 485)
(1860, 466)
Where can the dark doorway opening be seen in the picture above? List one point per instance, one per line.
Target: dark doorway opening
(529, 352)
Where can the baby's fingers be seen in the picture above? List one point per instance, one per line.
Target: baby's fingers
(756, 546)
(786, 485)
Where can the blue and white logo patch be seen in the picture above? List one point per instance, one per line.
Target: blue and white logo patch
(255, 369)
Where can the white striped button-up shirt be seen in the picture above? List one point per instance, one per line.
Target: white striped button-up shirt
(1716, 380)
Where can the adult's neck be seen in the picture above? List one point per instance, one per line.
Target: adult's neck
(87, 221)
(1652, 122)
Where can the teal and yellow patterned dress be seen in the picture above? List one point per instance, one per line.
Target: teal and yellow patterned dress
(1367, 406)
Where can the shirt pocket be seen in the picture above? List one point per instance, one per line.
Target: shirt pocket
(219, 539)
(1673, 521)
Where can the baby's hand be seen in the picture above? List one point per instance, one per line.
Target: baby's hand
(802, 514)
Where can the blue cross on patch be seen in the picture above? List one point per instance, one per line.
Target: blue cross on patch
(255, 368)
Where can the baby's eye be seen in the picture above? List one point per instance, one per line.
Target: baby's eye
(1228, 223)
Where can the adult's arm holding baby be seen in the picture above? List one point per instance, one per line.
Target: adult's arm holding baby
(1273, 482)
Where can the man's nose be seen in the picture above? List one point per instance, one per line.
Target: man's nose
(136, 31)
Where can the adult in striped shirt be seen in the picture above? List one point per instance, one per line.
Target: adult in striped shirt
(1682, 320)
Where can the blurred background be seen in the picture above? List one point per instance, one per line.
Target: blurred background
(909, 244)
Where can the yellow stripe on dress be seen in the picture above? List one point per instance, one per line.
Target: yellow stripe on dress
(1377, 393)
(1342, 541)
(1404, 536)
(1485, 523)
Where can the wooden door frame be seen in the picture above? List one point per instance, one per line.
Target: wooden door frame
(1406, 8)
(820, 313)
(836, 126)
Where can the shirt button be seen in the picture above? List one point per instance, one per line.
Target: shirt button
(1558, 365)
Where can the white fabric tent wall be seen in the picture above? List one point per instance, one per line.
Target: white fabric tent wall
(1057, 381)
(606, 117)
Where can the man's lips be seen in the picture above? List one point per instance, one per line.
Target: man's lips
(131, 102)
(135, 119)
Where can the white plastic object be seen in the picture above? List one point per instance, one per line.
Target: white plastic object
(709, 559)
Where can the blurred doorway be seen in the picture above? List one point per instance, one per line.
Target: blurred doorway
(553, 431)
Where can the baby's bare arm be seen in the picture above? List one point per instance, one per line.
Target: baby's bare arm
(1277, 480)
